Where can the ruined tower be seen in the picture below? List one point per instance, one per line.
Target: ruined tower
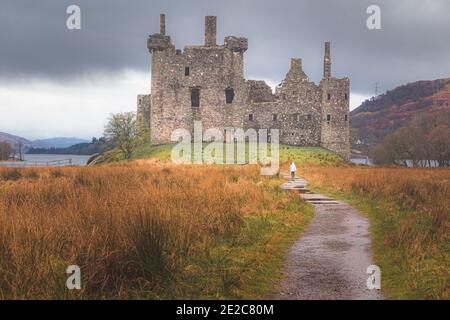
(202, 82)
(335, 132)
(206, 83)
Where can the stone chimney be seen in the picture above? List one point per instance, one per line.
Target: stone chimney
(296, 71)
(327, 62)
(210, 31)
(296, 64)
(162, 24)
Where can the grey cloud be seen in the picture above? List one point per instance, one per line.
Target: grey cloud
(413, 44)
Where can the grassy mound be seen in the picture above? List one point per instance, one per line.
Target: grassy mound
(301, 155)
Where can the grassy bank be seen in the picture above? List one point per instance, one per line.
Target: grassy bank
(410, 218)
(145, 229)
(301, 155)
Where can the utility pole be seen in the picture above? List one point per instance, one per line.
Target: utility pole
(376, 89)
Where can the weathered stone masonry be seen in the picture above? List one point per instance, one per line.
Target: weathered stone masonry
(206, 82)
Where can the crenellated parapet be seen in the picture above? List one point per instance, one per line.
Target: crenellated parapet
(158, 42)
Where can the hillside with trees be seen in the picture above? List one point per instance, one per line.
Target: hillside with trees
(17, 142)
(397, 108)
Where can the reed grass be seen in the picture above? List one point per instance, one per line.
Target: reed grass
(409, 209)
(145, 229)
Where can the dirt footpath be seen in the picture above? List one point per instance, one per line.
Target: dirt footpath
(330, 260)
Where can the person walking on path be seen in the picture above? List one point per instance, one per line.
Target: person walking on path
(293, 170)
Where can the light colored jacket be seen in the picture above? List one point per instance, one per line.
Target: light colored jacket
(293, 167)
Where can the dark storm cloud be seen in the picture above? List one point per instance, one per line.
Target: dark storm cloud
(413, 44)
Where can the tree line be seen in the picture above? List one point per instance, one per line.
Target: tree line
(97, 145)
(424, 143)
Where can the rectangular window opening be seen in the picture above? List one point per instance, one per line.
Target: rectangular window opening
(229, 95)
(187, 71)
(195, 97)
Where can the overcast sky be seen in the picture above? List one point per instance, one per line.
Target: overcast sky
(60, 82)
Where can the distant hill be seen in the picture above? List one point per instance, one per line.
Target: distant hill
(98, 146)
(14, 141)
(376, 118)
(52, 143)
(62, 142)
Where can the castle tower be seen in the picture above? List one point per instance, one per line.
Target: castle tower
(335, 132)
(200, 83)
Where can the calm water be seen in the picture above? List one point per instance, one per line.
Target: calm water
(409, 163)
(367, 162)
(43, 159)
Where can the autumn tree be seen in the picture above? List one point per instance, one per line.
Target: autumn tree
(126, 132)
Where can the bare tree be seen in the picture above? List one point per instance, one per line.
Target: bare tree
(425, 140)
(439, 140)
(381, 155)
(5, 151)
(20, 149)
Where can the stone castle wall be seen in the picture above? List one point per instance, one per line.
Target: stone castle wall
(206, 82)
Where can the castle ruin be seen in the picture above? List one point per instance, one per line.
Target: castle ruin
(206, 83)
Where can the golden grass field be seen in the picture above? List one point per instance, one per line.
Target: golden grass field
(409, 210)
(145, 229)
(151, 229)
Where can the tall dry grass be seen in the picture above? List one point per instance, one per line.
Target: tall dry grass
(410, 213)
(131, 228)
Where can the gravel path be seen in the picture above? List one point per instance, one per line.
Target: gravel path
(330, 260)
